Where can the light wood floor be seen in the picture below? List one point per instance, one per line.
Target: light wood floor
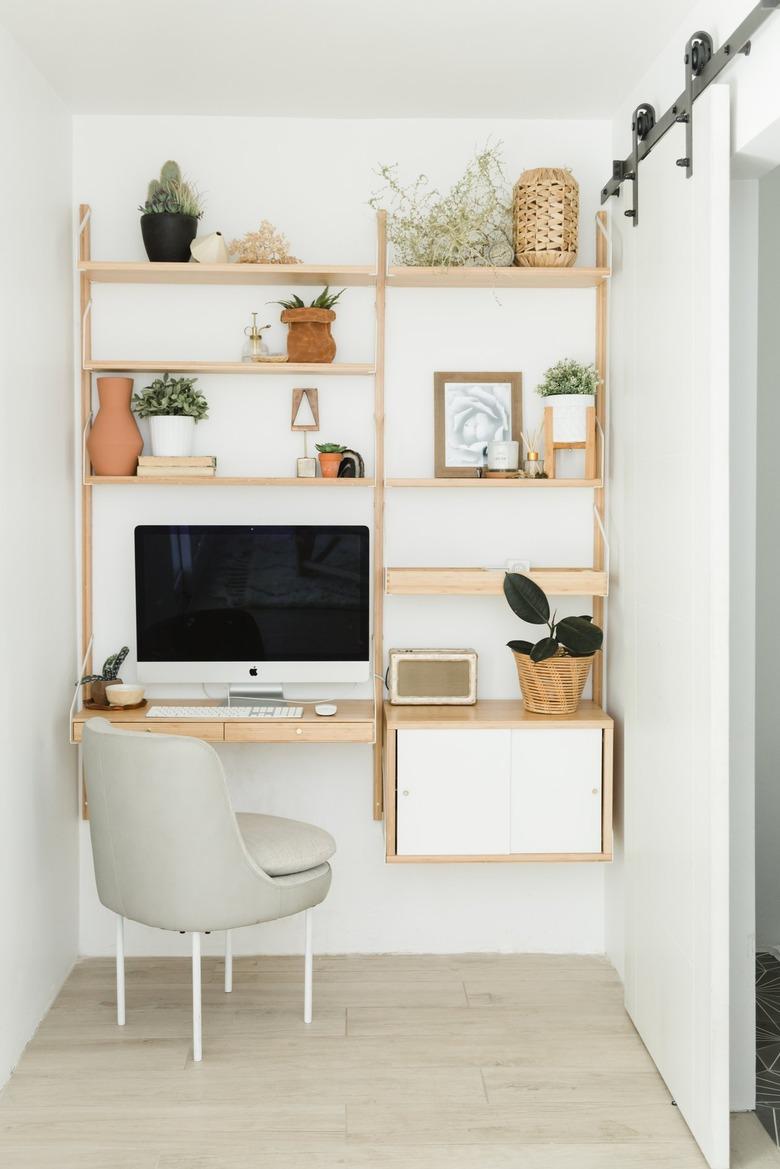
(467, 1062)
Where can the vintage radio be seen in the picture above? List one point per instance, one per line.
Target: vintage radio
(432, 677)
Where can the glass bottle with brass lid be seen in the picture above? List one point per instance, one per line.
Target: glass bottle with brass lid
(255, 348)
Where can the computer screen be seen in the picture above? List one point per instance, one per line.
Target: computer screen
(232, 603)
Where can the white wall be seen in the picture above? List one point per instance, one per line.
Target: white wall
(38, 799)
(312, 179)
(768, 568)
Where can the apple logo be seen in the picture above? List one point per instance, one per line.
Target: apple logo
(253, 671)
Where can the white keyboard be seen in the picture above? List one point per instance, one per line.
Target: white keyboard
(225, 712)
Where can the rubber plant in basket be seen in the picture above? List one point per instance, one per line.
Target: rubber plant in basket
(552, 671)
(309, 338)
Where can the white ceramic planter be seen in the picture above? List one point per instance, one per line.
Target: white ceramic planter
(172, 435)
(569, 415)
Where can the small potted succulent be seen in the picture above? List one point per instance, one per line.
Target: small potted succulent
(108, 677)
(330, 458)
(169, 217)
(173, 406)
(571, 387)
(309, 338)
(553, 671)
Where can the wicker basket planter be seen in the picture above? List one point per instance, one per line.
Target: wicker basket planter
(553, 686)
(546, 218)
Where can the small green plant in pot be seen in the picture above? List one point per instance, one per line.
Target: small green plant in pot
(330, 454)
(570, 388)
(108, 676)
(173, 406)
(552, 671)
(169, 217)
(309, 338)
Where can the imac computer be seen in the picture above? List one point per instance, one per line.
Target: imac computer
(254, 607)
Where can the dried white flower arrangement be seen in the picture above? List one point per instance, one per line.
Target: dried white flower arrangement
(471, 225)
(264, 246)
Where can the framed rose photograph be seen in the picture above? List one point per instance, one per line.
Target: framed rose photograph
(471, 410)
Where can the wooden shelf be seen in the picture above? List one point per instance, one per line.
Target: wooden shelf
(487, 582)
(496, 484)
(220, 481)
(491, 714)
(119, 272)
(442, 277)
(242, 367)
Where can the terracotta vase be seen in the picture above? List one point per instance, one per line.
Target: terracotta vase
(329, 464)
(309, 337)
(114, 442)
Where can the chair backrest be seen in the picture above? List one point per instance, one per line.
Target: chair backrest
(165, 841)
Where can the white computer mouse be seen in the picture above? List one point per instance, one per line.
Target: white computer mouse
(325, 709)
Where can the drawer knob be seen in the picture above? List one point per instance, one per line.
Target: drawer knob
(299, 730)
(406, 793)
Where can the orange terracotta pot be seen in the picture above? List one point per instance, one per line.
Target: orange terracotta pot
(114, 442)
(309, 337)
(329, 464)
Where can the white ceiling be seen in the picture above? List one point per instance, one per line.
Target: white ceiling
(344, 58)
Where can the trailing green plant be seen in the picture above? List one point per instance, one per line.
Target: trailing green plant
(569, 377)
(326, 299)
(175, 396)
(470, 225)
(330, 448)
(111, 668)
(574, 637)
(172, 194)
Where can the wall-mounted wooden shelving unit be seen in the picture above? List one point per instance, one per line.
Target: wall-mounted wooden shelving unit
(489, 582)
(396, 581)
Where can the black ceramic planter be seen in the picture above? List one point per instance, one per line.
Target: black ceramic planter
(167, 236)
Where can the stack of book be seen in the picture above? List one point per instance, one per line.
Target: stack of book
(177, 466)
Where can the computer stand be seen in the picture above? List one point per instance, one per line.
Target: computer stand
(257, 694)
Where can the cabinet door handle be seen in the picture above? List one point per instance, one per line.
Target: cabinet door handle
(405, 793)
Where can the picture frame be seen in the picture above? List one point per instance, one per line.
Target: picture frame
(471, 410)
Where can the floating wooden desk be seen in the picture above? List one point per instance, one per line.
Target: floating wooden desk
(353, 723)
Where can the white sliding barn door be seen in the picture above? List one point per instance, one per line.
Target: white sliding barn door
(670, 618)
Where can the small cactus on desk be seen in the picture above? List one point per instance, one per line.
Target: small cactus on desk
(110, 673)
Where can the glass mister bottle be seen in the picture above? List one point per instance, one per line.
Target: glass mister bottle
(255, 348)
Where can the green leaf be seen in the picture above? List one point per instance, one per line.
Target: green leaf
(546, 648)
(520, 647)
(526, 599)
(579, 635)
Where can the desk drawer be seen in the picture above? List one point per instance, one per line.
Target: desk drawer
(299, 732)
(211, 729)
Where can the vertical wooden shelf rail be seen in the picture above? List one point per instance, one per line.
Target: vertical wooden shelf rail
(379, 511)
(85, 321)
(602, 259)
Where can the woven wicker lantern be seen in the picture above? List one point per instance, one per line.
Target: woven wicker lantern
(546, 218)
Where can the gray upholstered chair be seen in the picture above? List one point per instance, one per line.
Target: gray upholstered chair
(170, 851)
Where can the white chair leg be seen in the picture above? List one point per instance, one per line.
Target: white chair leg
(307, 970)
(197, 1042)
(120, 971)
(228, 961)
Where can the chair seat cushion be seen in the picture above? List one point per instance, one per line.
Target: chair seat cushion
(280, 847)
